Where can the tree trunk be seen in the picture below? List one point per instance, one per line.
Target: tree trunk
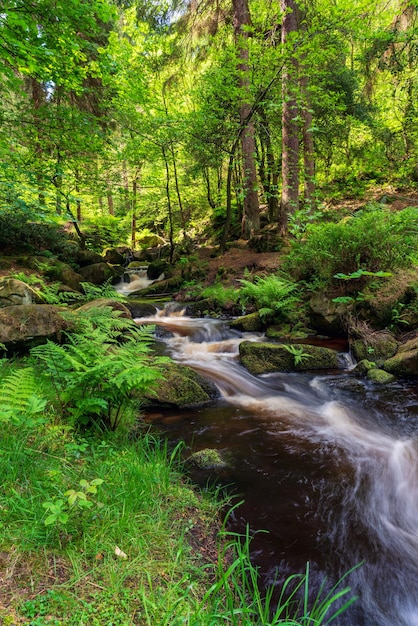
(272, 170)
(251, 215)
(290, 128)
(308, 147)
(169, 205)
(38, 99)
(134, 207)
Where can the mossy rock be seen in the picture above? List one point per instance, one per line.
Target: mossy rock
(156, 269)
(327, 317)
(182, 387)
(13, 291)
(286, 333)
(364, 366)
(24, 325)
(207, 459)
(262, 358)
(384, 300)
(98, 273)
(377, 346)
(248, 323)
(405, 361)
(380, 376)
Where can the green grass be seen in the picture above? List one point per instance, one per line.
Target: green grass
(127, 558)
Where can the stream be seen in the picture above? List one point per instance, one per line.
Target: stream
(325, 462)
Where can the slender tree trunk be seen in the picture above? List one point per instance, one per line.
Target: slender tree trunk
(272, 174)
(134, 209)
(38, 99)
(308, 147)
(109, 196)
(251, 215)
(125, 179)
(78, 200)
(206, 178)
(169, 205)
(290, 128)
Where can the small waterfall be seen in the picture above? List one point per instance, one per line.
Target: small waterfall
(365, 502)
(134, 279)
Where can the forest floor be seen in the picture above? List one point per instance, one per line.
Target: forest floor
(240, 256)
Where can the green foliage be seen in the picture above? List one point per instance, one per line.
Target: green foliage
(20, 399)
(244, 603)
(69, 507)
(106, 231)
(93, 375)
(374, 238)
(24, 232)
(272, 295)
(298, 354)
(220, 295)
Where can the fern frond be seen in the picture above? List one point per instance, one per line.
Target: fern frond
(19, 396)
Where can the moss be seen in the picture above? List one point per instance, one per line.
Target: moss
(182, 387)
(380, 376)
(261, 358)
(248, 323)
(207, 459)
(364, 366)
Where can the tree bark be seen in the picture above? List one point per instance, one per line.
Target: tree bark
(290, 128)
(251, 214)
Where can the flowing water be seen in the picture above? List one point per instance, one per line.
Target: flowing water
(326, 463)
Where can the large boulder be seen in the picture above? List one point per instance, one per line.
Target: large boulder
(376, 346)
(64, 273)
(98, 273)
(262, 358)
(13, 291)
(327, 317)
(88, 257)
(405, 361)
(26, 324)
(182, 387)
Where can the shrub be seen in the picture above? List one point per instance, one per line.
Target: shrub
(18, 232)
(374, 239)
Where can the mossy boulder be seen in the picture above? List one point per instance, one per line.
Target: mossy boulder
(114, 256)
(207, 459)
(327, 317)
(248, 323)
(390, 300)
(405, 361)
(139, 308)
(262, 358)
(99, 273)
(13, 291)
(157, 269)
(26, 324)
(380, 376)
(363, 366)
(183, 388)
(286, 333)
(88, 257)
(376, 346)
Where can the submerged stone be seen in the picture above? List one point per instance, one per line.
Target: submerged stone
(207, 459)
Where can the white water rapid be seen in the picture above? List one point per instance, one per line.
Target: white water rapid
(365, 504)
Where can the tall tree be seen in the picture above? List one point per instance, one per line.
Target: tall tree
(290, 112)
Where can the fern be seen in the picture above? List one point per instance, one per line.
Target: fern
(94, 375)
(19, 399)
(272, 295)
